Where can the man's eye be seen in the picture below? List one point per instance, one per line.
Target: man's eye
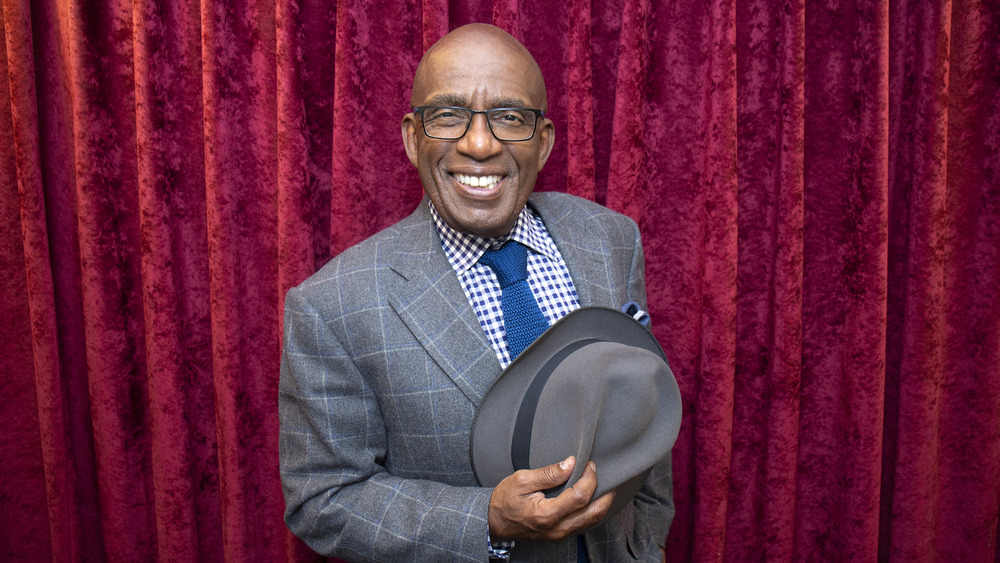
(443, 115)
(510, 118)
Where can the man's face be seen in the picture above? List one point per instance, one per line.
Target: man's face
(478, 183)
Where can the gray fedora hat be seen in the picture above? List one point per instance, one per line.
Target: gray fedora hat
(595, 385)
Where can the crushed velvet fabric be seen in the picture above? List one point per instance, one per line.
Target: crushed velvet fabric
(817, 184)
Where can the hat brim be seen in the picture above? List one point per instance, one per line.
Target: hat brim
(493, 428)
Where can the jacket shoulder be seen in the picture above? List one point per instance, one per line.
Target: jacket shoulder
(559, 203)
(558, 207)
(359, 268)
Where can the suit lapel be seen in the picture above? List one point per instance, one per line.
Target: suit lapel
(586, 256)
(430, 301)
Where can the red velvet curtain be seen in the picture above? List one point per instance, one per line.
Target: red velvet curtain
(817, 183)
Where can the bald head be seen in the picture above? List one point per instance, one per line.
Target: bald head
(479, 49)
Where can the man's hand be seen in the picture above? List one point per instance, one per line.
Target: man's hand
(520, 511)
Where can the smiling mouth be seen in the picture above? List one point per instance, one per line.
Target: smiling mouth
(484, 182)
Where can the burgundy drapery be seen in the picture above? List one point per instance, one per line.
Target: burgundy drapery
(818, 186)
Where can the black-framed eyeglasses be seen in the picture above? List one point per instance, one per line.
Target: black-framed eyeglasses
(450, 123)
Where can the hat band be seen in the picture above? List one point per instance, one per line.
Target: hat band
(520, 447)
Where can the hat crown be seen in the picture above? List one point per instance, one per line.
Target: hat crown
(601, 404)
(609, 380)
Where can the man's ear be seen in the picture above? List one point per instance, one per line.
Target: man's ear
(547, 139)
(409, 127)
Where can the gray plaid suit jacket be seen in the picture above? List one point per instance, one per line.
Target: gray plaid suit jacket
(383, 366)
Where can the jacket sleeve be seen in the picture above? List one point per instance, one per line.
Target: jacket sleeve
(339, 497)
(654, 502)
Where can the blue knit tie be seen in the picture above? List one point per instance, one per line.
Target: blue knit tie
(522, 319)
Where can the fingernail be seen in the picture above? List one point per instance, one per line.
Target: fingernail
(564, 464)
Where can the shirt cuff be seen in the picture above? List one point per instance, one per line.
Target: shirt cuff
(499, 550)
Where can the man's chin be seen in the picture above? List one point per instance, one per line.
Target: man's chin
(486, 228)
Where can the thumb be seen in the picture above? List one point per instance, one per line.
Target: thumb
(555, 474)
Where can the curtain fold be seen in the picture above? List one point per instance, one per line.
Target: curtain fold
(817, 185)
(170, 133)
(239, 77)
(41, 143)
(844, 279)
(101, 80)
(918, 228)
(770, 170)
(20, 445)
(971, 452)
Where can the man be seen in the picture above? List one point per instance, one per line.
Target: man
(391, 346)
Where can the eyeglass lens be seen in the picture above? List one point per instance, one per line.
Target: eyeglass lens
(507, 124)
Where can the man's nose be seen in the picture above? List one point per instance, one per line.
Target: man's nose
(479, 142)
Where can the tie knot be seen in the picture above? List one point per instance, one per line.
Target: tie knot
(509, 262)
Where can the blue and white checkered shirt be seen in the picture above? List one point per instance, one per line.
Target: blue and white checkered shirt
(548, 276)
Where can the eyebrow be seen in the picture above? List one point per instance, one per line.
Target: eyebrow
(459, 101)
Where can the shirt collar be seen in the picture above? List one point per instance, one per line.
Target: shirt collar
(463, 249)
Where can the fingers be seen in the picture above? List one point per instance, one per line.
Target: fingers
(582, 491)
(577, 503)
(602, 504)
(518, 507)
(519, 510)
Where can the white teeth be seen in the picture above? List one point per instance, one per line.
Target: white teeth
(478, 181)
